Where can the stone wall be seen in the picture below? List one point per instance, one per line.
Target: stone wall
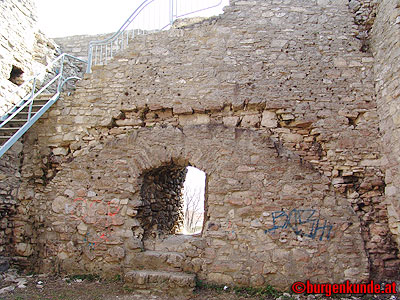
(273, 100)
(10, 178)
(24, 50)
(386, 50)
(364, 17)
(78, 45)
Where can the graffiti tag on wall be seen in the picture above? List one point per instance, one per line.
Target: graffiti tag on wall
(303, 222)
(81, 210)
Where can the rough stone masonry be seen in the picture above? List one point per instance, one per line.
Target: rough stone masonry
(386, 50)
(275, 100)
(24, 51)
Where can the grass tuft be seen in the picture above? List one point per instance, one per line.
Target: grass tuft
(88, 277)
(265, 291)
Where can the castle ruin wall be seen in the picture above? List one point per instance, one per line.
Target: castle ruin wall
(274, 100)
(277, 101)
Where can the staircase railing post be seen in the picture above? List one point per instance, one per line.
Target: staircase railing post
(31, 99)
(60, 79)
(90, 57)
(171, 12)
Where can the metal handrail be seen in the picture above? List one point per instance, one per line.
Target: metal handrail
(196, 11)
(34, 77)
(125, 25)
(122, 41)
(27, 101)
(30, 96)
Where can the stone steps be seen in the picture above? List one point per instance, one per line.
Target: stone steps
(155, 260)
(160, 271)
(173, 243)
(172, 283)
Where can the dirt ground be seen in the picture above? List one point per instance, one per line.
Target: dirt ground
(39, 287)
(59, 289)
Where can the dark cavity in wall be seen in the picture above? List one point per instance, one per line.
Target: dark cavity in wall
(16, 75)
(162, 209)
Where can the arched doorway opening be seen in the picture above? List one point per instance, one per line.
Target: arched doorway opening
(173, 201)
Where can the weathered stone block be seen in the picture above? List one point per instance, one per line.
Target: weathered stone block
(58, 204)
(60, 151)
(269, 119)
(196, 119)
(219, 278)
(129, 122)
(250, 121)
(23, 249)
(231, 121)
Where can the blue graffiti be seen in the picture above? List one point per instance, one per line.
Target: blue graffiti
(91, 245)
(296, 220)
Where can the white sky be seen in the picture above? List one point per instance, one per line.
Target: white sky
(64, 18)
(196, 181)
(195, 176)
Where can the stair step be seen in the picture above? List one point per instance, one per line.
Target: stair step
(35, 108)
(26, 113)
(156, 260)
(38, 102)
(44, 96)
(173, 283)
(17, 121)
(9, 128)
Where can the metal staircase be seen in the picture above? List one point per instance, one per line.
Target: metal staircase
(149, 16)
(38, 100)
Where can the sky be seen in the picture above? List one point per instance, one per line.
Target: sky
(194, 186)
(75, 17)
(196, 179)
